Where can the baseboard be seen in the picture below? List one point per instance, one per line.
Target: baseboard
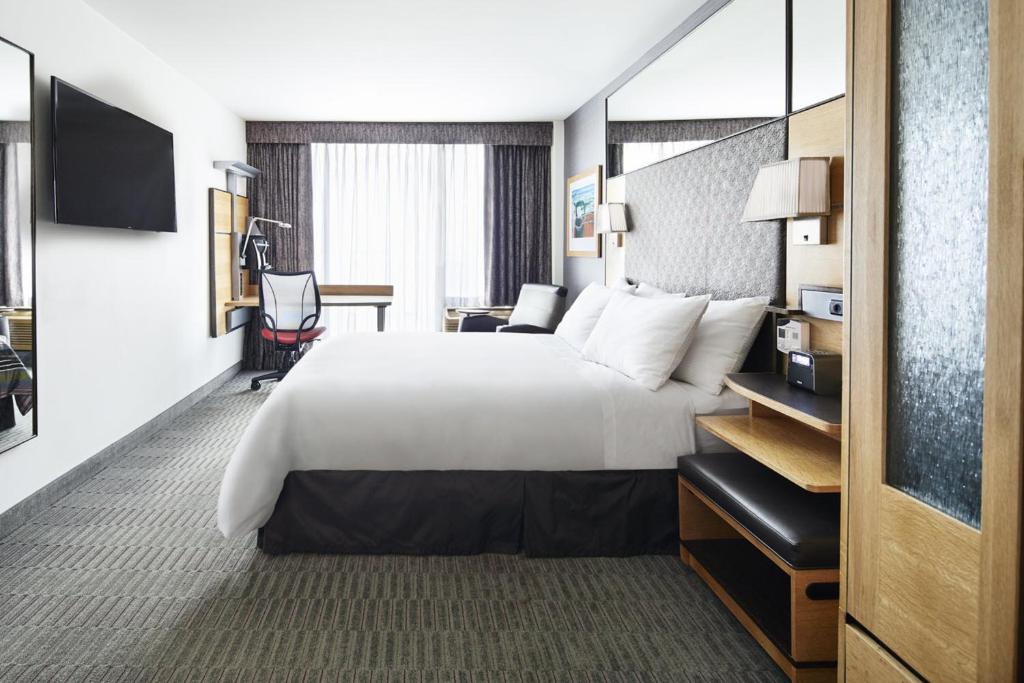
(24, 510)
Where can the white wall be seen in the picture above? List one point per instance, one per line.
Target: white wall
(122, 316)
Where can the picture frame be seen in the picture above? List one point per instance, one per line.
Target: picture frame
(582, 196)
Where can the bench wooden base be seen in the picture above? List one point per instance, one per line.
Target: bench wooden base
(792, 613)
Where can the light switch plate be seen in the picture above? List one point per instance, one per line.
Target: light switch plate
(810, 230)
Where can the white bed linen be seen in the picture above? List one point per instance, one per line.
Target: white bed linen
(726, 403)
(451, 402)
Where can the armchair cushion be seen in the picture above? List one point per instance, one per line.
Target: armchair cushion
(525, 329)
(539, 305)
(481, 323)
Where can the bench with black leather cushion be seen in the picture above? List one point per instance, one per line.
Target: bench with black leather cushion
(799, 526)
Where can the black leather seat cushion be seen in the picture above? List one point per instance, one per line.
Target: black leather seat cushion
(801, 527)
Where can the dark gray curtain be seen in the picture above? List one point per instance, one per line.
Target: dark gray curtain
(284, 192)
(517, 219)
(380, 133)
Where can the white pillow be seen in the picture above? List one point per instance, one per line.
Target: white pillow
(644, 338)
(623, 285)
(723, 339)
(578, 322)
(645, 289)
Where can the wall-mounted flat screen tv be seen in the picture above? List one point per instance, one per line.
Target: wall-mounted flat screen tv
(110, 168)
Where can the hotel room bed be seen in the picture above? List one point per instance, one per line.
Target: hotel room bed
(457, 444)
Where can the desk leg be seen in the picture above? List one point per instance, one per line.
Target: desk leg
(380, 318)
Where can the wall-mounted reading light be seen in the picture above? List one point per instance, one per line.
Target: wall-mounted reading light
(611, 219)
(797, 189)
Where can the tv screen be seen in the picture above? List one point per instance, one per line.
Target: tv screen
(110, 168)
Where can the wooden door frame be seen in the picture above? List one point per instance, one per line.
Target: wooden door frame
(1001, 474)
(976, 573)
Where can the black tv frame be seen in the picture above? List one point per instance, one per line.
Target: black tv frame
(54, 82)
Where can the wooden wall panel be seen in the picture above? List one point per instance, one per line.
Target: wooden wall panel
(241, 213)
(1003, 460)
(820, 131)
(220, 211)
(228, 214)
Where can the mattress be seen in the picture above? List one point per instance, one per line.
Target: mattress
(433, 401)
(726, 403)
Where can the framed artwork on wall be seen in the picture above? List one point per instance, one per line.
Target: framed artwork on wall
(582, 195)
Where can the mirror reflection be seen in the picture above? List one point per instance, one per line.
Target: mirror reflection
(819, 51)
(725, 76)
(17, 414)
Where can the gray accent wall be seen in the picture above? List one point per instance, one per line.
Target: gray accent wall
(585, 138)
(685, 211)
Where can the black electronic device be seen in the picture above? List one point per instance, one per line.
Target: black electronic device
(817, 371)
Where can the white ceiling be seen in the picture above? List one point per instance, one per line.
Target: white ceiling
(731, 66)
(399, 60)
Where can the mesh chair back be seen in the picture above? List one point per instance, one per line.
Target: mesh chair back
(540, 305)
(289, 302)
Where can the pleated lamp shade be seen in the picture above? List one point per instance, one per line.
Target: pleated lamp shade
(611, 217)
(790, 189)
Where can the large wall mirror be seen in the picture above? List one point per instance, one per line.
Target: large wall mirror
(17, 248)
(727, 75)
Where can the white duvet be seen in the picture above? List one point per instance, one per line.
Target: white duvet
(451, 402)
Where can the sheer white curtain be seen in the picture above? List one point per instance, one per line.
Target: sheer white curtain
(407, 215)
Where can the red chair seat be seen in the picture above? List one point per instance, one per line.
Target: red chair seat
(288, 337)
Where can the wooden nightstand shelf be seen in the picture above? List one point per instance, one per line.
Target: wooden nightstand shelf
(789, 430)
(761, 527)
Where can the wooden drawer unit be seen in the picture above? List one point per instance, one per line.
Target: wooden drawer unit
(867, 661)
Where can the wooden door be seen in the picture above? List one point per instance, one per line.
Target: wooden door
(935, 318)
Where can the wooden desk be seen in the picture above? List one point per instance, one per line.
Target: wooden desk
(378, 296)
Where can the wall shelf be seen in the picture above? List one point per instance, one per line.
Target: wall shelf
(822, 413)
(805, 457)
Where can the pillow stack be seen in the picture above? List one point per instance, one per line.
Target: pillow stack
(645, 338)
(579, 321)
(650, 335)
(723, 339)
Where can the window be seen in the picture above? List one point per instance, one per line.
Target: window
(407, 215)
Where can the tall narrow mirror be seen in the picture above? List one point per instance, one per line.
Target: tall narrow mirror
(17, 248)
(726, 76)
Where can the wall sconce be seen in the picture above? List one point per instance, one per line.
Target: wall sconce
(797, 189)
(611, 219)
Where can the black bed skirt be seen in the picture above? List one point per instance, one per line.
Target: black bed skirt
(540, 514)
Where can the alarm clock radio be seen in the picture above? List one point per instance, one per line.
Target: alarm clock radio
(817, 371)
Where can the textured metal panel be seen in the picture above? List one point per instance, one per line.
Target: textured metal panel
(685, 214)
(937, 253)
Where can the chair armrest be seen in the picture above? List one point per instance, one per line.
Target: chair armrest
(525, 329)
(480, 323)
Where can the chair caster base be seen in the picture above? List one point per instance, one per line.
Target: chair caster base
(254, 385)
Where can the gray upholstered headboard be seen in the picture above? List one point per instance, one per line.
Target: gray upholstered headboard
(685, 219)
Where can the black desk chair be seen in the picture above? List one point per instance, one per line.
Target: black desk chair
(538, 310)
(289, 312)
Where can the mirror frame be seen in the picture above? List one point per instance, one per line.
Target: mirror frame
(33, 138)
(789, 111)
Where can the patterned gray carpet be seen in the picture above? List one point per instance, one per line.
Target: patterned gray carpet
(127, 579)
